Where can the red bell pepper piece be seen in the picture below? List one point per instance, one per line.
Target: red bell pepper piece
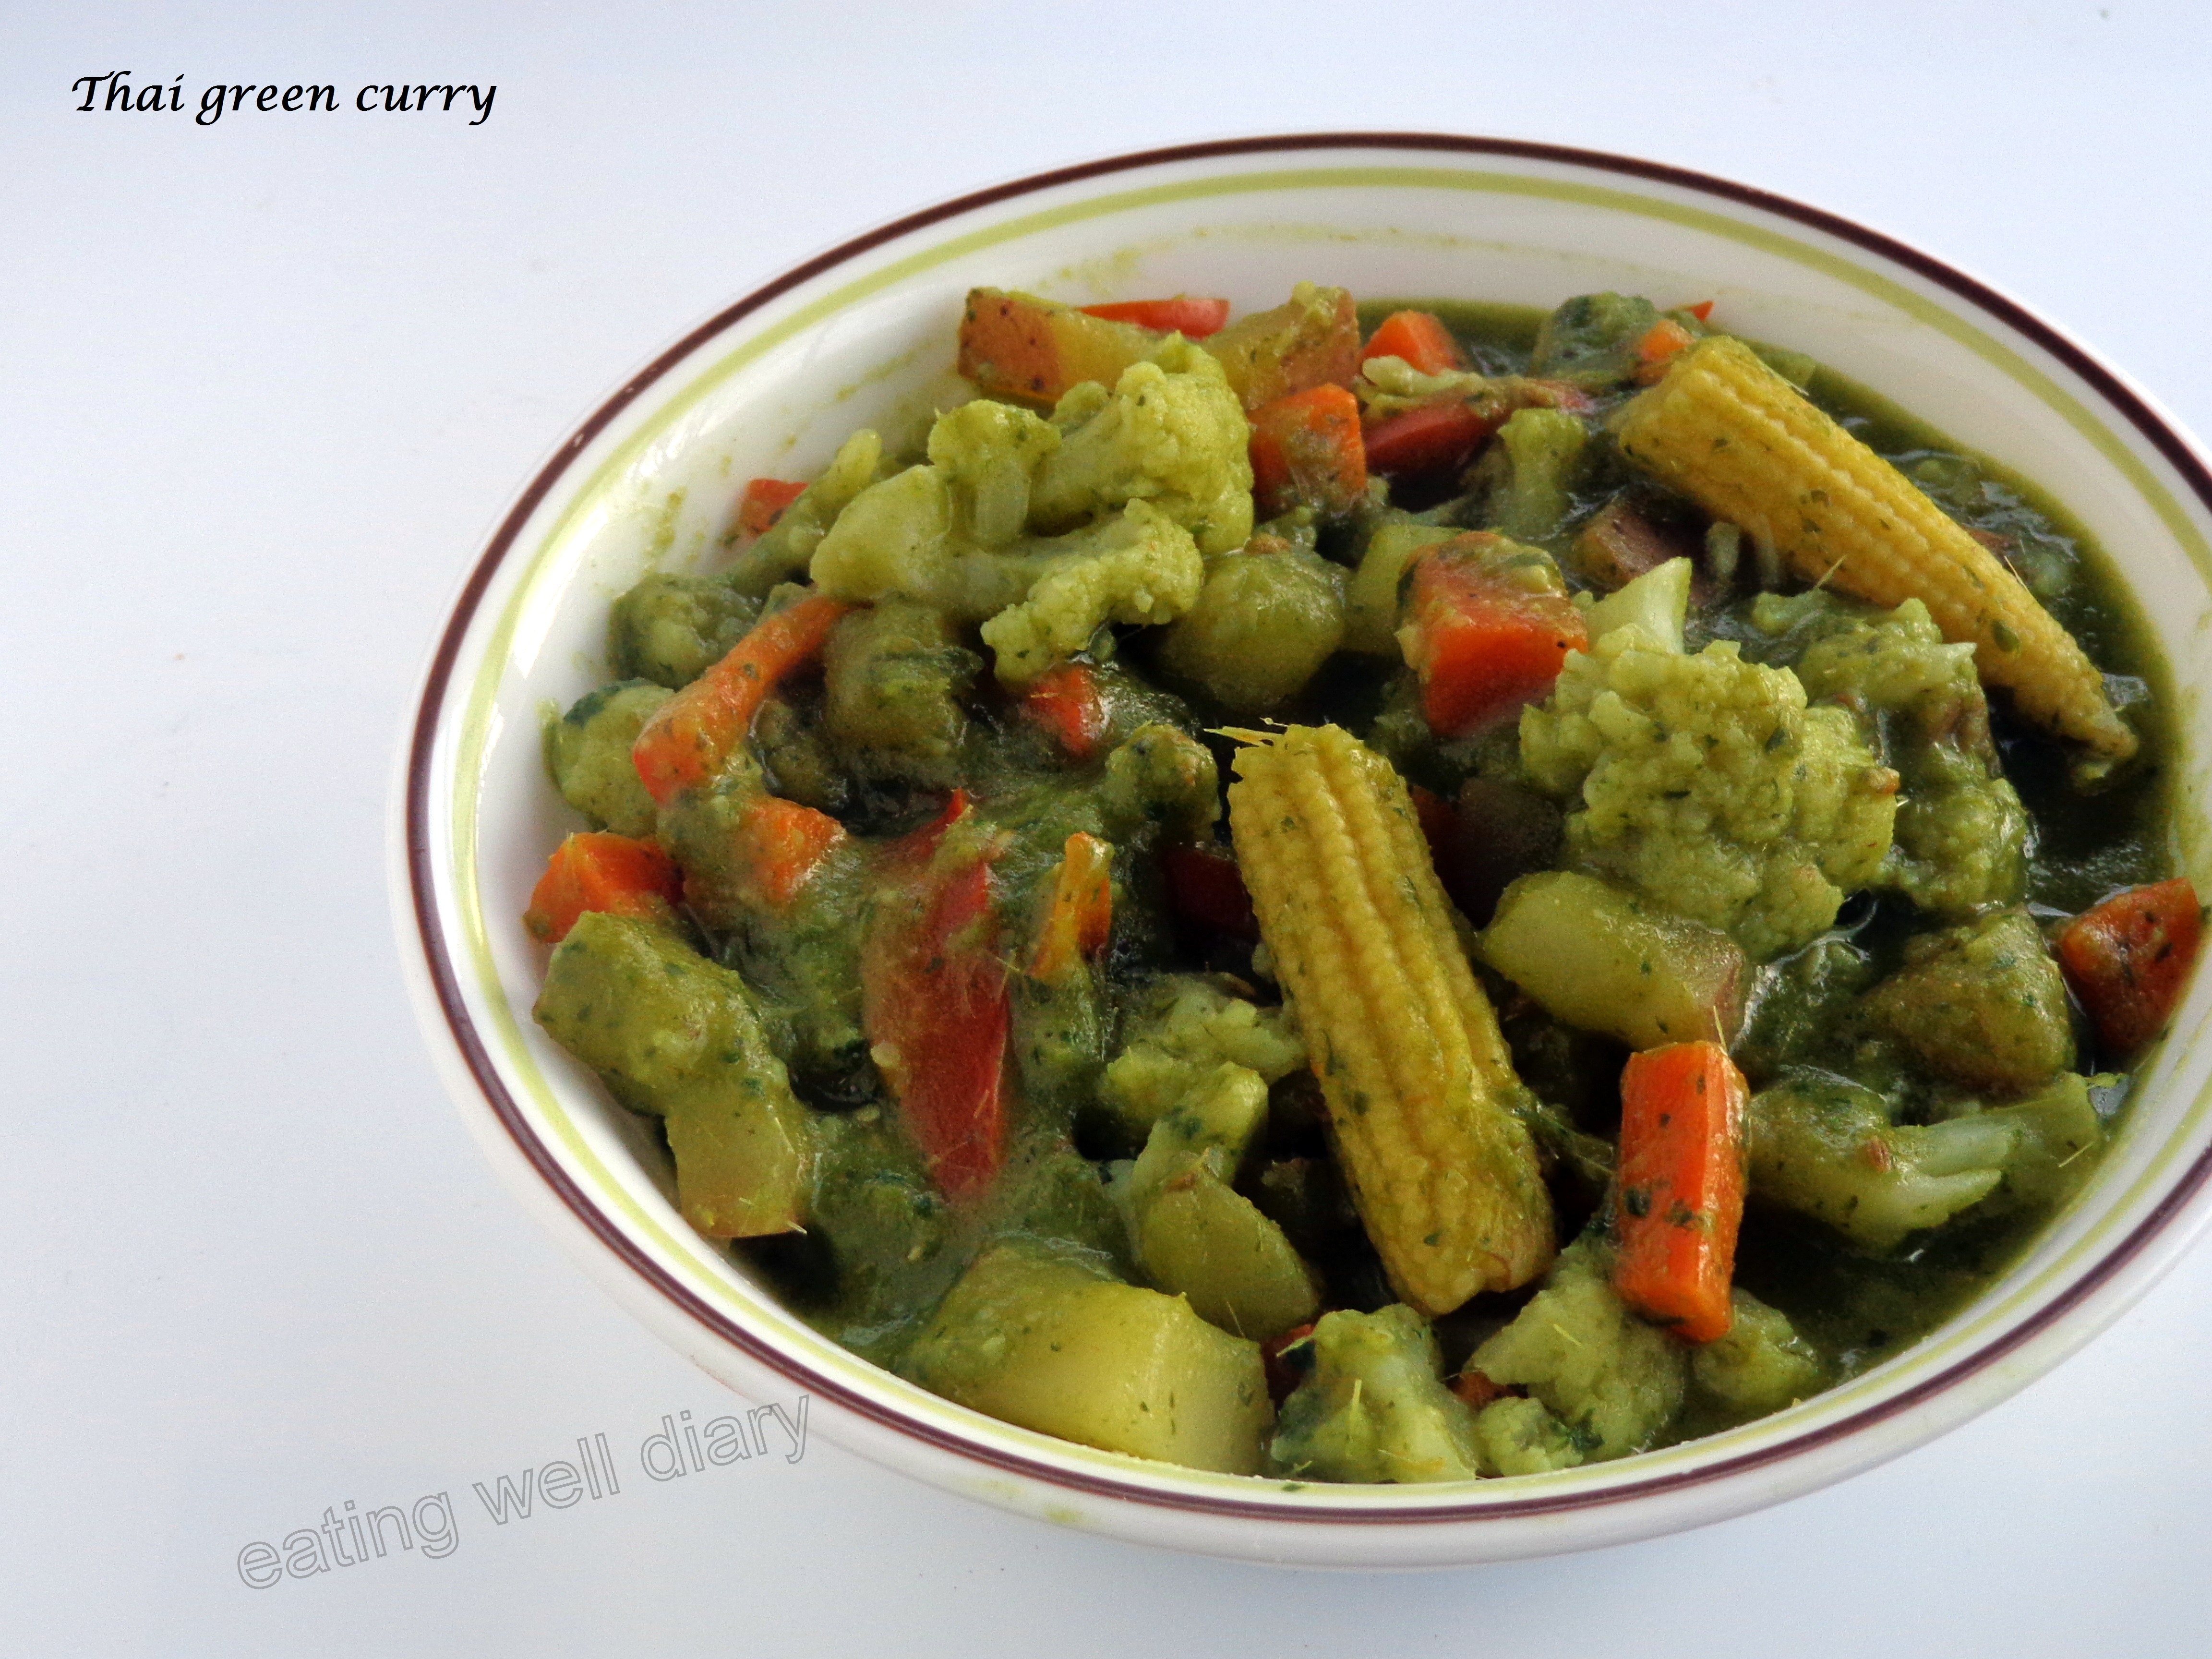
(1065, 702)
(1192, 317)
(935, 999)
(1205, 886)
(1434, 437)
(763, 503)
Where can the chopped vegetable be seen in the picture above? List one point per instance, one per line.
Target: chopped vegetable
(763, 503)
(1306, 449)
(1760, 1364)
(1666, 340)
(1065, 701)
(1435, 438)
(1418, 338)
(1080, 915)
(1488, 624)
(779, 846)
(1044, 1339)
(1601, 959)
(2129, 959)
(677, 1036)
(588, 751)
(1016, 345)
(1263, 625)
(1374, 1408)
(1828, 1149)
(1421, 1092)
(1983, 1002)
(1313, 339)
(1681, 1187)
(598, 870)
(693, 734)
(1704, 782)
(1194, 319)
(1582, 1352)
(935, 994)
(1748, 447)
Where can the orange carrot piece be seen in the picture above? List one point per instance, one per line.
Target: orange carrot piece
(2129, 960)
(1419, 338)
(600, 871)
(1080, 916)
(763, 503)
(1680, 1195)
(1666, 341)
(934, 1000)
(1482, 643)
(781, 845)
(1435, 438)
(1065, 702)
(692, 735)
(1307, 447)
(1192, 317)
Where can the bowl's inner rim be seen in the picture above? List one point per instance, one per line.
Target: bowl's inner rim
(674, 1254)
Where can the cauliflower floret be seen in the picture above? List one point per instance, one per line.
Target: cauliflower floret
(1158, 467)
(1140, 568)
(1186, 1027)
(987, 453)
(1708, 785)
(1961, 831)
(1761, 1365)
(1171, 433)
(1043, 597)
(1826, 1148)
(1614, 1380)
(1374, 1408)
(782, 553)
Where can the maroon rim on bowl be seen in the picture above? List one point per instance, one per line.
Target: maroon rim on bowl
(419, 781)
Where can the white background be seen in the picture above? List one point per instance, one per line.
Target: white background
(265, 387)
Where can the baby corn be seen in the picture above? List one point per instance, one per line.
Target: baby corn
(1421, 1092)
(1749, 448)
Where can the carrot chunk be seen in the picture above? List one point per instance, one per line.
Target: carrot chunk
(1703, 311)
(1192, 317)
(1065, 702)
(2129, 959)
(692, 735)
(1307, 447)
(1419, 338)
(1435, 438)
(781, 845)
(598, 870)
(934, 1000)
(1079, 917)
(1666, 340)
(1681, 1194)
(763, 503)
(1482, 640)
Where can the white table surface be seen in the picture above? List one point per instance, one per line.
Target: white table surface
(265, 386)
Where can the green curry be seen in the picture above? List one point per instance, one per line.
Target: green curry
(907, 908)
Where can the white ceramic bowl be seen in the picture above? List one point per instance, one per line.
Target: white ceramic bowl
(862, 335)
